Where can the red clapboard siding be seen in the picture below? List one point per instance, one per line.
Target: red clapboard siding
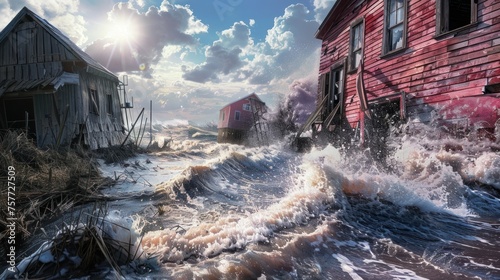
(432, 70)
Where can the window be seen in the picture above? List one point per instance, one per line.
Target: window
(247, 107)
(332, 92)
(93, 101)
(337, 90)
(222, 115)
(454, 14)
(237, 115)
(333, 107)
(109, 107)
(356, 44)
(395, 25)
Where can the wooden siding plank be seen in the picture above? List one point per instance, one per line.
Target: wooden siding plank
(12, 49)
(39, 44)
(47, 46)
(430, 70)
(55, 49)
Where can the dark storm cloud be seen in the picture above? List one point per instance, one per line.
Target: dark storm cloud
(153, 30)
(302, 99)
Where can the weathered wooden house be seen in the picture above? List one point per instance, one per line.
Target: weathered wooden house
(427, 61)
(237, 119)
(53, 89)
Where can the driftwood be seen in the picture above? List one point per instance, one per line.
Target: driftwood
(131, 129)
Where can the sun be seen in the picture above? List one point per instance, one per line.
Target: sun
(122, 31)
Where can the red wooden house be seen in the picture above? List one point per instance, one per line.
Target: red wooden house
(426, 61)
(236, 119)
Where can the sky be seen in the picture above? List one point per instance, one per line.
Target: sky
(191, 58)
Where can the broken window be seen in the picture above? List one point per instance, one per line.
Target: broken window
(395, 25)
(93, 101)
(109, 107)
(356, 44)
(337, 75)
(454, 14)
(336, 94)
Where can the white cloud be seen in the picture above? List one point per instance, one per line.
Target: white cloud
(139, 3)
(235, 57)
(219, 61)
(236, 36)
(289, 44)
(7, 13)
(73, 26)
(63, 14)
(155, 29)
(322, 7)
(224, 57)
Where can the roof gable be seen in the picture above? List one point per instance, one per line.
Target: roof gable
(27, 15)
(250, 96)
(335, 13)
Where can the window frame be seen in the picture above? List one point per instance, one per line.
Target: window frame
(237, 115)
(357, 22)
(337, 67)
(386, 45)
(109, 104)
(248, 107)
(93, 101)
(441, 20)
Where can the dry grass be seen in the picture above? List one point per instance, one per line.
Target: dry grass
(48, 182)
(117, 153)
(78, 248)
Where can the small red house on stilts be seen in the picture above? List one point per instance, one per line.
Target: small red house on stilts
(426, 61)
(238, 118)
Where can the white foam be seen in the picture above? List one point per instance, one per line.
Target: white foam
(306, 199)
(487, 169)
(348, 267)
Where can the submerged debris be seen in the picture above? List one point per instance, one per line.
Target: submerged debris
(76, 249)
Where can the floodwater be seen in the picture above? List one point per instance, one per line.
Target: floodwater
(218, 211)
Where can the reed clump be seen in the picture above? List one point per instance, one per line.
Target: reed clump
(82, 246)
(47, 182)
